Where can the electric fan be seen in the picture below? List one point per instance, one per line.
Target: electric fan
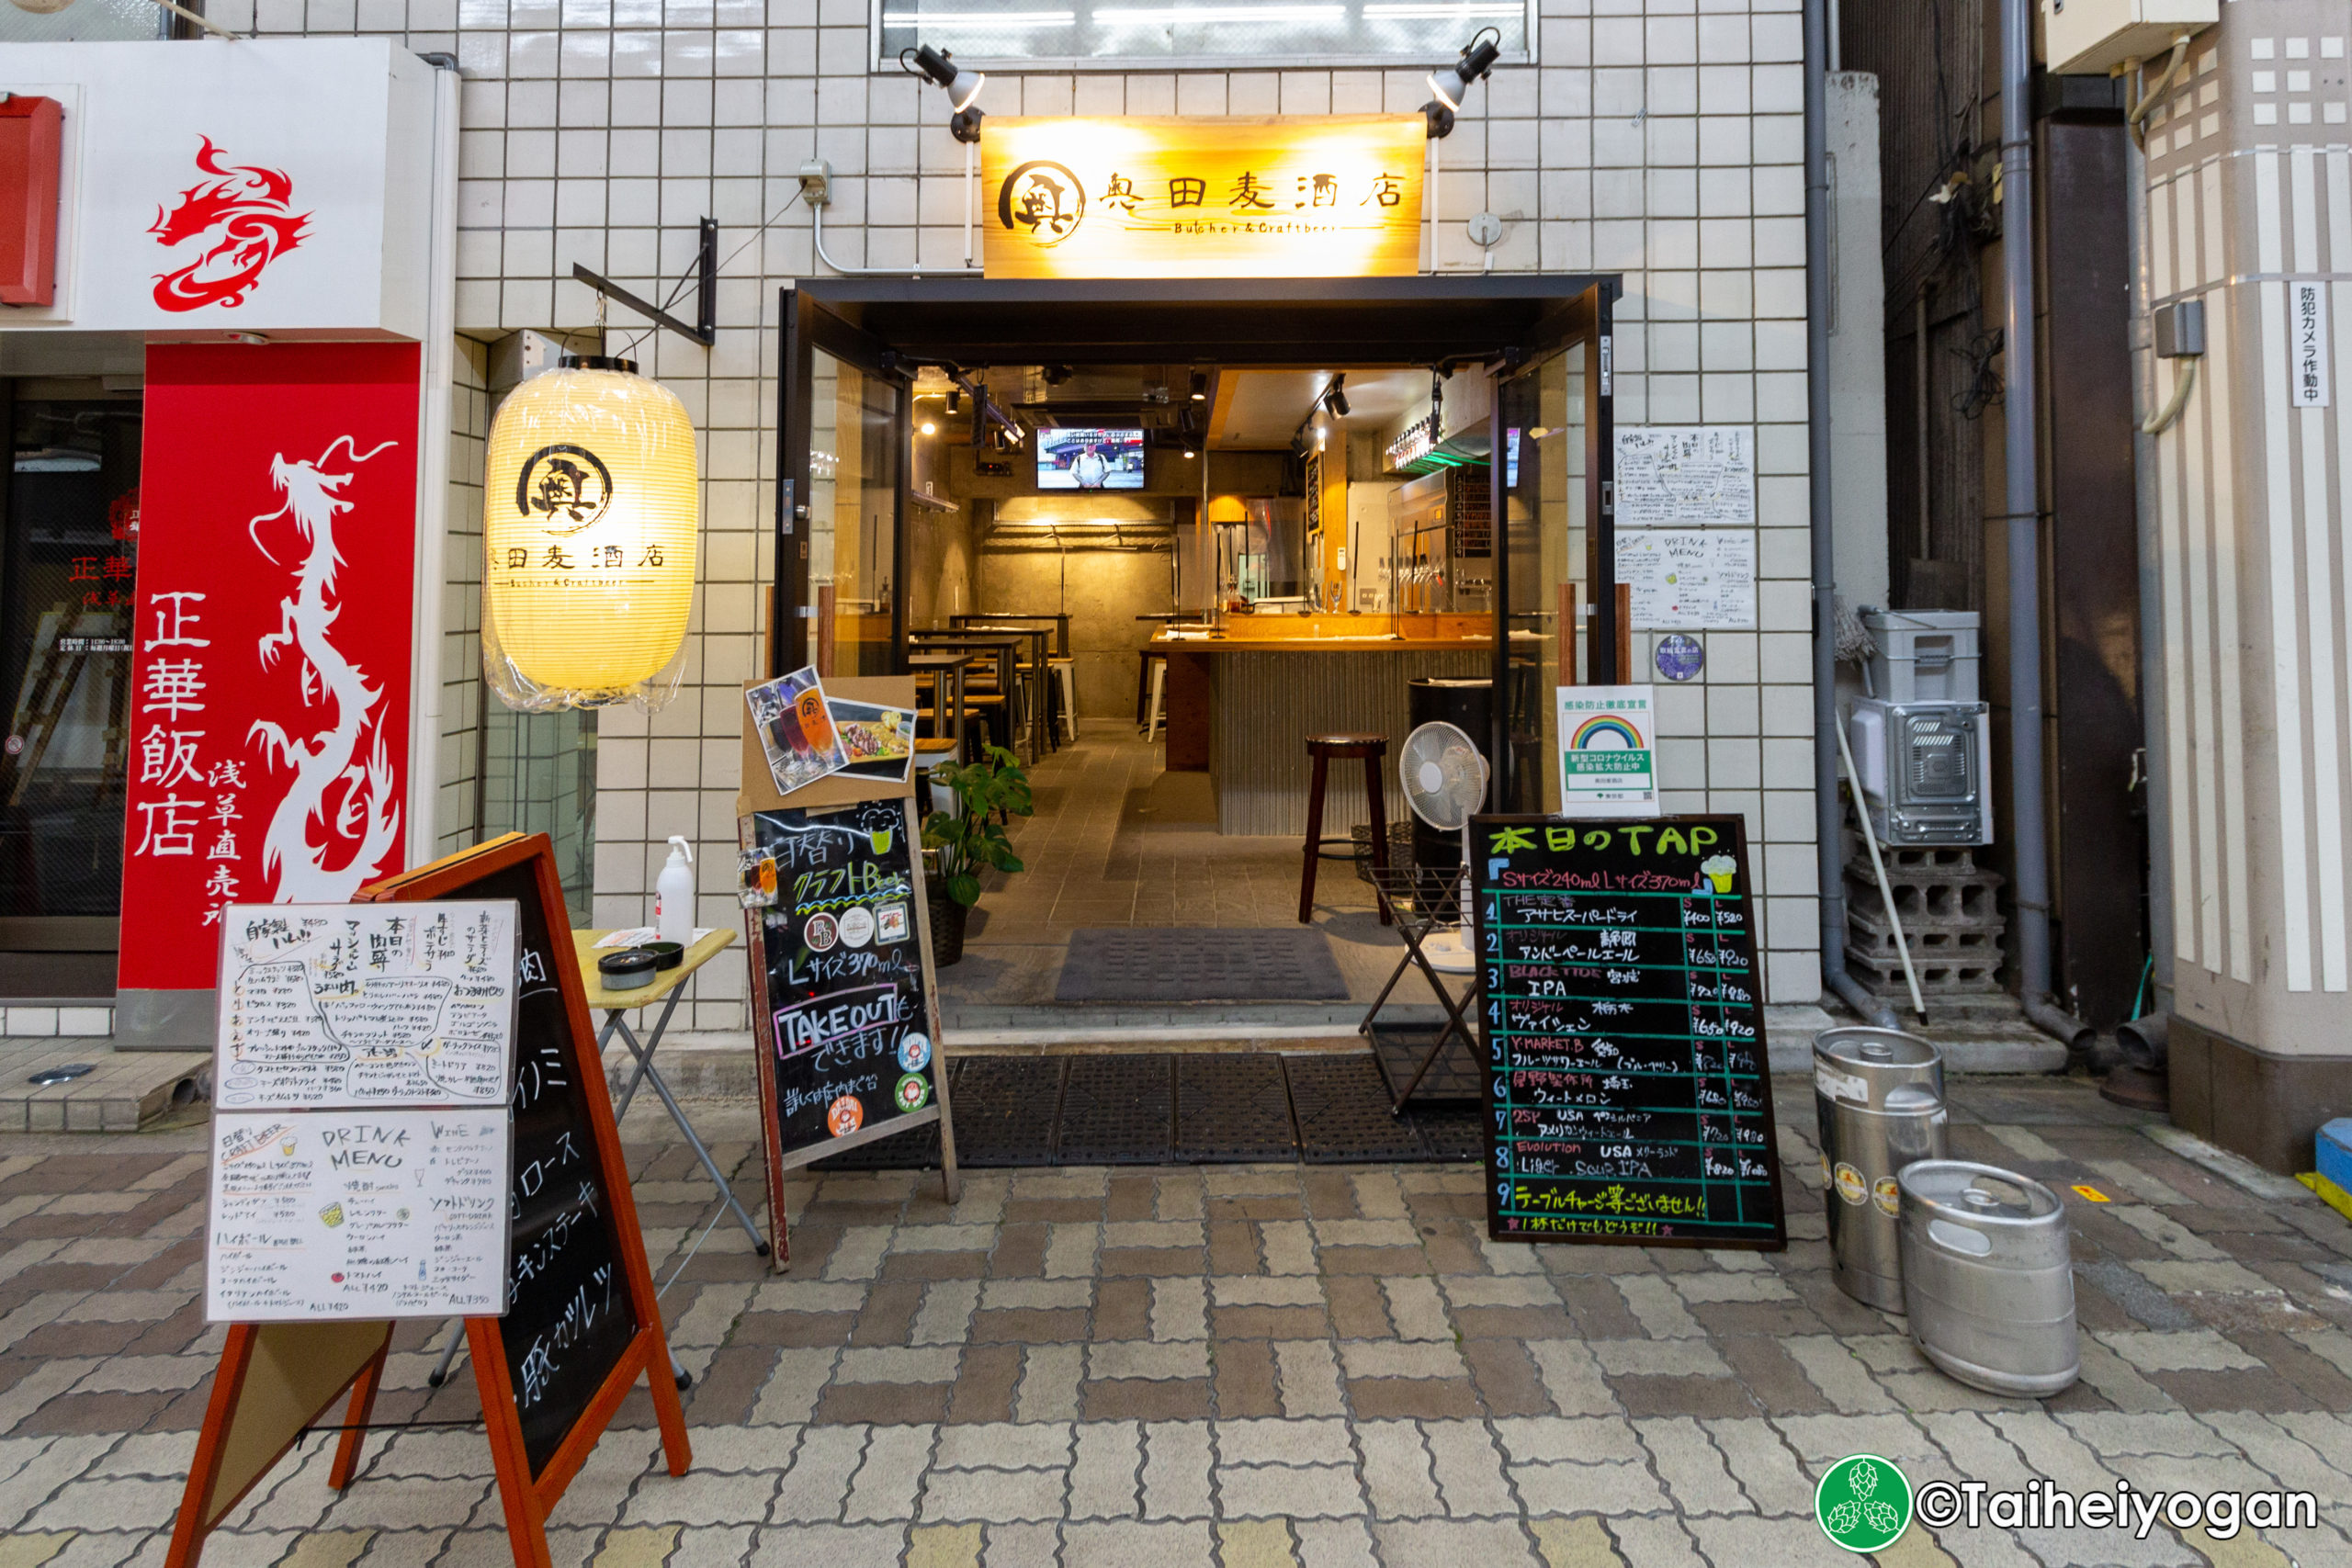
(1444, 780)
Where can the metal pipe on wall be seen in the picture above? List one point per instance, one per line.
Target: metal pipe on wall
(1829, 821)
(2021, 420)
(2154, 762)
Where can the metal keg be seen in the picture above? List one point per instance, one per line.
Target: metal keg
(1878, 1095)
(1988, 1278)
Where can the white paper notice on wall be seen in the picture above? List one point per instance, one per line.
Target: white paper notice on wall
(1689, 579)
(358, 1214)
(2308, 371)
(1686, 476)
(332, 1005)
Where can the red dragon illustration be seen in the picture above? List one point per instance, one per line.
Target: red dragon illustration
(246, 217)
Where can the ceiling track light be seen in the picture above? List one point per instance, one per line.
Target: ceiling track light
(1451, 83)
(1334, 398)
(961, 86)
(1200, 385)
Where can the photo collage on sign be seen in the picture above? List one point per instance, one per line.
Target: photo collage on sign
(808, 735)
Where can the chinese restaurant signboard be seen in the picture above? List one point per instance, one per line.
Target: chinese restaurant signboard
(1336, 195)
(271, 649)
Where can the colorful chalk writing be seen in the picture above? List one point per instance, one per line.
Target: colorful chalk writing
(1629, 1095)
(332, 1005)
(848, 1015)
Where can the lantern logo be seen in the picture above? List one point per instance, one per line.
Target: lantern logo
(367, 810)
(566, 488)
(1043, 197)
(248, 220)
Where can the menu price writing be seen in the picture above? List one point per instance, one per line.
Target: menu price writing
(848, 1029)
(1629, 1093)
(329, 1005)
(357, 1215)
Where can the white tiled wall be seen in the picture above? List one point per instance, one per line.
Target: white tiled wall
(1660, 138)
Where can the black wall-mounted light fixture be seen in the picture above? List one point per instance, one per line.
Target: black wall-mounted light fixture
(962, 87)
(1334, 398)
(1451, 83)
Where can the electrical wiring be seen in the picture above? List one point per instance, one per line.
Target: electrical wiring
(2162, 419)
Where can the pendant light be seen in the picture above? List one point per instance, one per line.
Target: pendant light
(589, 533)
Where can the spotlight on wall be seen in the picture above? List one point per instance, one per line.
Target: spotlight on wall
(1334, 398)
(1200, 385)
(1451, 83)
(961, 85)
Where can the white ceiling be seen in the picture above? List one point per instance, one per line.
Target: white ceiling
(1267, 405)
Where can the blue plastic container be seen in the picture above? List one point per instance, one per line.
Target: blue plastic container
(2336, 1152)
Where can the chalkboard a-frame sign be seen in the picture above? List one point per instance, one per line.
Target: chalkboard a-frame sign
(844, 999)
(1629, 1096)
(582, 1323)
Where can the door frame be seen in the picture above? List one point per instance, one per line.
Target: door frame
(809, 325)
(1514, 321)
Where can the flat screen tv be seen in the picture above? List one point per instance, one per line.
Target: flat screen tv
(1090, 459)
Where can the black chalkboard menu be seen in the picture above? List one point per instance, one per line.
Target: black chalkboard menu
(1628, 1090)
(569, 1317)
(843, 997)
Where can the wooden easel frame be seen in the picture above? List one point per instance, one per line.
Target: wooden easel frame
(780, 1159)
(228, 1447)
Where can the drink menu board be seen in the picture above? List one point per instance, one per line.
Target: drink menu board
(356, 1213)
(1629, 1093)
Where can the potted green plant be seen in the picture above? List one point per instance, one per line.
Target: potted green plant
(963, 843)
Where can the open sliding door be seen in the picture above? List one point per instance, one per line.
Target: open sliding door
(840, 494)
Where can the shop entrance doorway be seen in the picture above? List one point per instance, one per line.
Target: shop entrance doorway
(1162, 535)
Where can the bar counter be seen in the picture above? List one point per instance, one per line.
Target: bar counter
(1239, 707)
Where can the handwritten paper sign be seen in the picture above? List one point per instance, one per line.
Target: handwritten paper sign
(328, 1005)
(358, 1214)
(1689, 579)
(1672, 475)
(1629, 1097)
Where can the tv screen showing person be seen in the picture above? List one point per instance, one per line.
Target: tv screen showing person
(1090, 459)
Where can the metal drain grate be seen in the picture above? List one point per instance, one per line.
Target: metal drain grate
(1453, 1079)
(1199, 964)
(1118, 1111)
(1004, 1109)
(1232, 1107)
(1343, 1110)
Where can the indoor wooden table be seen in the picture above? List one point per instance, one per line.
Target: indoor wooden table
(946, 667)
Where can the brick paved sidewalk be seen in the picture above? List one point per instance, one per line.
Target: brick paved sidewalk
(1250, 1366)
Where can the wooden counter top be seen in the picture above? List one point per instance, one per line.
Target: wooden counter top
(1163, 644)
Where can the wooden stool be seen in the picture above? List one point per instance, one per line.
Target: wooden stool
(1323, 749)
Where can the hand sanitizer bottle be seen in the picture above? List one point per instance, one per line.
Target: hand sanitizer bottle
(674, 895)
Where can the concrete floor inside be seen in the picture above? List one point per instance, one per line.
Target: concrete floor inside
(1118, 840)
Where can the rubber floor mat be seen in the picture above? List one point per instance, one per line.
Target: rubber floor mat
(1004, 1107)
(1452, 1079)
(1232, 1107)
(1199, 964)
(1450, 1133)
(1342, 1109)
(1118, 1111)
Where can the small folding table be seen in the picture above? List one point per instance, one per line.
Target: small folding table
(1422, 902)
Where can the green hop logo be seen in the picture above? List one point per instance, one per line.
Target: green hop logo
(1863, 1503)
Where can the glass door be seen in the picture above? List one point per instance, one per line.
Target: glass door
(69, 548)
(1557, 614)
(841, 500)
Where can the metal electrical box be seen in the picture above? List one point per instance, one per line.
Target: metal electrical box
(2091, 36)
(1924, 771)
